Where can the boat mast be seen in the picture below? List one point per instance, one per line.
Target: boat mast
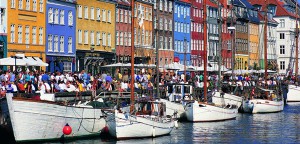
(132, 58)
(205, 49)
(296, 39)
(265, 42)
(220, 45)
(232, 44)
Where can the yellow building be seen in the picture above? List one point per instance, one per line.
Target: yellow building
(95, 36)
(241, 61)
(253, 44)
(26, 28)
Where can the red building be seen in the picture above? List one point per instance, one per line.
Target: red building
(123, 31)
(197, 52)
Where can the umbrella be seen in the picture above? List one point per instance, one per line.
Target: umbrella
(11, 62)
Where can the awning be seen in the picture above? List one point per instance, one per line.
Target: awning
(11, 62)
(40, 62)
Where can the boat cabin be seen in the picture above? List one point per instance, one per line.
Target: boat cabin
(179, 92)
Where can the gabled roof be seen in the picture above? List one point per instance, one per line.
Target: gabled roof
(261, 18)
(281, 11)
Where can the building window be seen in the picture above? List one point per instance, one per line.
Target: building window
(281, 35)
(27, 35)
(62, 17)
(50, 43)
(282, 65)
(41, 5)
(62, 43)
(166, 5)
(129, 39)
(170, 25)
(98, 38)
(67, 66)
(282, 49)
(104, 39)
(12, 33)
(86, 37)
(98, 14)
(79, 36)
(20, 34)
(109, 16)
(79, 7)
(125, 17)
(70, 18)
(170, 6)
(12, 4)
(50, 15)
(117, 15)
(41, 31)
(92, 13)
(117, 38)
(282, 23)
(170, 43)
(121, 38)
(129, 16)
(161, 39)
(34, 5)
(109, 39)
(166, 43)
(20, 4)
(121, 15)
(33, 35)
(56, 16)
(92, 38)
(70, 45)
(104, 15)
(86, 12)
(160, 5)
(55, 43)
(27, 6)
(166, 24)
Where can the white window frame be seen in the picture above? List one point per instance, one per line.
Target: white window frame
(104, 15)
(27, 37)
(12, 4)
(50, 43)
(125, 17)
(41, 33)
(121, 39)
(80, 36)
(92, 13)
(129, 38)
(86, 12)
(62, 44)
(27, 5)
(109, 16)
(121, 15)
(98, 39)
(86, 37)
(70, 45)
(92, 38)
(34, 5)
(56, 13)
(98, 14)
(50, 15)
(41, 5)
(109, 40)
(67, 66)
(33, 35)
(170, 43)
(104, 39)
(55, 43)
(20, 34)
(70, 18)
(170, 6)
(62, 17)
(12, 33)
(79, 9)
(20, 5)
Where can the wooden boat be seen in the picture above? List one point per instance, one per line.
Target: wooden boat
(39, 120)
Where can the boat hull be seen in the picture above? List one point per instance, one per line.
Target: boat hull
(294, 94)
(263, 106)
(37, 120)
(226, 99)
(121, 126)
(196, 112)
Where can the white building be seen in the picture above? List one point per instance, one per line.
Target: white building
(3, 19)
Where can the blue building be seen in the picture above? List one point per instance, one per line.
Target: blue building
(182, 31)
(61, 35)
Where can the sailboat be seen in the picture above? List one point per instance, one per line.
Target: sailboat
(204, 112)
(266, 100)
(293, 94)
(143, 117)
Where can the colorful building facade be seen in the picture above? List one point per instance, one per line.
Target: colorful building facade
(213, 48)
(197, 52)
(26, 28)
(60, 35)
(253, 38)
(163, 30)
(182, 31)
(143, 32)
(123, 31)
(95, 34)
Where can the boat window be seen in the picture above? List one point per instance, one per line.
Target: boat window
(186, 89)
(178, 89)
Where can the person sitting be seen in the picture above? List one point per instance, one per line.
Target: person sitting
(70, 87)
(20, 87)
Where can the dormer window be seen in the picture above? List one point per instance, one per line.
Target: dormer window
(272, 9)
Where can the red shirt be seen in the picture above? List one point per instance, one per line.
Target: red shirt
(21, 87)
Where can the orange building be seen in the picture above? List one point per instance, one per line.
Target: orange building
(26, 28)
(143, 32)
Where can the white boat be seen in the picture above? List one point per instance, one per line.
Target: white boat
(264, 105)
(173, 108)
(226, 99)
(198, 112)
(36, 120)
(294, 94)
(122, 125)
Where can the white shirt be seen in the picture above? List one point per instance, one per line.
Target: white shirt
(62, 86)
(71, 88)
(15, 89)
(47, 86)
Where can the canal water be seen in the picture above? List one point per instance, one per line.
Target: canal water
(283, 127)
